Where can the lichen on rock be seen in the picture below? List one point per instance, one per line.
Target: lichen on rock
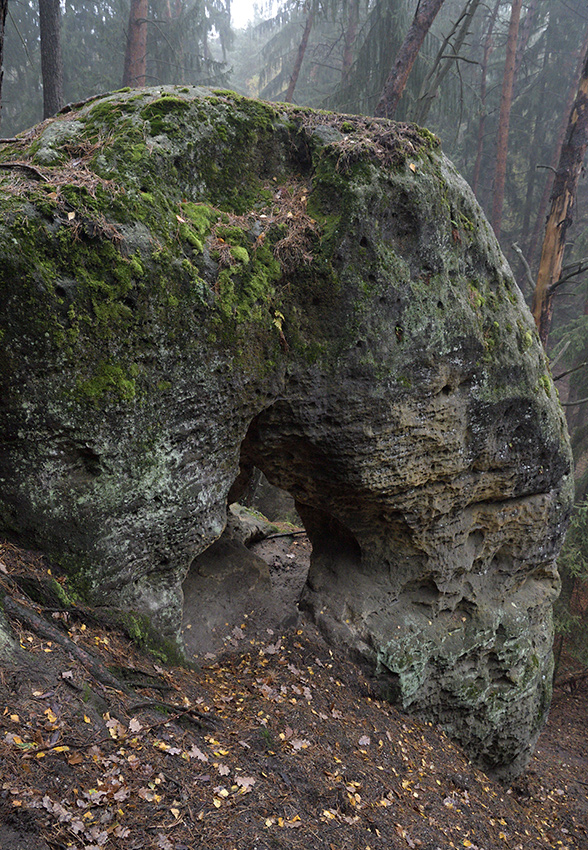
(193, 283)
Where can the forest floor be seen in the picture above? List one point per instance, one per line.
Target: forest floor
(276, 742)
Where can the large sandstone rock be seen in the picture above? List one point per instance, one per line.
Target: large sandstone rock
(192, 284)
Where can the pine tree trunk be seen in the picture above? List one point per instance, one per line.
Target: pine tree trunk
(525, 31)
(562, 205)
(3, 10)
(135, 73)
(504, 119)
(350, 36)
(409, 49)
(299, 57)
(483, 91)
(542, 208)
(51, 61)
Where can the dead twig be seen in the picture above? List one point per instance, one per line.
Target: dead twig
(25, 166)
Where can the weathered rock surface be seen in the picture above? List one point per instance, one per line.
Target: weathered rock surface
(192, 283)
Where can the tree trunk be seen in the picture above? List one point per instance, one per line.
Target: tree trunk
(51, 61)
(423, 18)
(525, 31)
(541, 211)
(350, 36)
(299, 57)
(504, 119)
(443, 62)
(135, 73)
(483, 90)
(562, 205)
(3, 10)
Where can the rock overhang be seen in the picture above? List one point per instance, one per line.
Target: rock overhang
(204, 282)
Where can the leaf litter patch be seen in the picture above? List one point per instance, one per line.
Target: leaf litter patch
(277, 743)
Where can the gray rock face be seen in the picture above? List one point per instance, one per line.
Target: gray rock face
(193, 284)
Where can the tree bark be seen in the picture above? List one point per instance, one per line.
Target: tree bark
(350, 36)
(541, 211)
(525, 31)
(299, 57)
(504, 119)
(562, 204)
(135, 72)
(483, 90)
(51, 60)
(394, 87)
(3, 10)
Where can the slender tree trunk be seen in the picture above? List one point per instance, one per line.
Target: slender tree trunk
(525, 31)
(135, 73)
(562, 204)
(504, 120)
(51, 61)
(542, 208)
(443, 62)
(3, 10)
(483, 90)
(299, 57)
(394, 86)
(350, 36)
(172, 17)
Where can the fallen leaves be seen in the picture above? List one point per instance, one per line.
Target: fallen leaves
(295, 752)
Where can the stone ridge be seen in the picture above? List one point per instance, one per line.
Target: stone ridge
(193, 283)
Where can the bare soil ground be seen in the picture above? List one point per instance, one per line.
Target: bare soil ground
(276, 742)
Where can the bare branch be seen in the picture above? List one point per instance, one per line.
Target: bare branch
(569, 371)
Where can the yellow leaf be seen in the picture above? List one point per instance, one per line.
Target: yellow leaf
(86, 719)
(413, 167)
(175, 812)
(217, 803)
(60, 749)
(50, 715)
(15, 718)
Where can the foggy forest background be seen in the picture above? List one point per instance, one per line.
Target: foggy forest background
(500, 83)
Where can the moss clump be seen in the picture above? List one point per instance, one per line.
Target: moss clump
(432, 141)
(544, 383)
(240, 254)
(109, 379)
(200, 216)
(139, 629)
(163, 114)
